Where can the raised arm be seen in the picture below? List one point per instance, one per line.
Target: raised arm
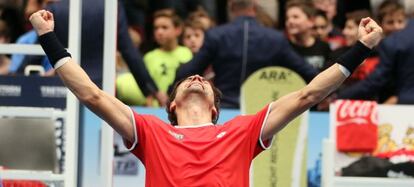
(114, 112)
(290, 106)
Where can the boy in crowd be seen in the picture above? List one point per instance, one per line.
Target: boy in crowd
(193, 38)
(193, 35)
(392, 16)
(299, 24)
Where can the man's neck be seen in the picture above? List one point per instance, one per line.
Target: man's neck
(192, 113)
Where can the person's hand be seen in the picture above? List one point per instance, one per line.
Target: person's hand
(42, 22)
(392, 100)
(161, 97)
(369, 32)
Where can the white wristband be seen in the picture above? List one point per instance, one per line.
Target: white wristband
(344, 70)
(62, 61)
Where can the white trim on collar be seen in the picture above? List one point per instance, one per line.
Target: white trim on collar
(194, 126)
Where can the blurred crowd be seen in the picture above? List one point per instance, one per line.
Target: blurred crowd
(216, 38)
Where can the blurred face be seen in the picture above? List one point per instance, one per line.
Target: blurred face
(193, 38)
(350, 32)
(393, 22)
(321, 27)
(164, 31)
(328, 6)
(297, 22)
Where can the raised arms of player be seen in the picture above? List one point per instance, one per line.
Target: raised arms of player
(110, 109)
(290, 106)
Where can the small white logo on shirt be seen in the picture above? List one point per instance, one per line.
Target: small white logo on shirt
(175, 135)
(221, 134)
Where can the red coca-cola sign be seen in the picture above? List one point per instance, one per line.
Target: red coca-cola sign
(356, 112)
(356, 129)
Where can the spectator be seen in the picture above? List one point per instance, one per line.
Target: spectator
(163, 62)
(202, 16)
(322, 31)
(193, 38)
(4, 38)
(239, 48)
(330, 9)
(20, 61)
(299, 24)
(92, 43)
(321, 25)
(396, 56)
(391, 16)
(13, 18)
(193, 35)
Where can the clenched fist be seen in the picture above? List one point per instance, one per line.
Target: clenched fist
(369, 32)
(42, 21)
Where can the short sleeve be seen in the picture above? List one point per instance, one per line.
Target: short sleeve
(251, 127)
(143, 126)
(257, 125)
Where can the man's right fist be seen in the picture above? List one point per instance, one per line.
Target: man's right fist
(369, 32)
(42, 21)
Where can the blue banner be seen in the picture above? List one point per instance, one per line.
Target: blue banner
(32, 91)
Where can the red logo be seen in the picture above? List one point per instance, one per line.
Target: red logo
(356, 112)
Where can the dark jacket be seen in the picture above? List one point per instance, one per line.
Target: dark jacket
(396, 64)
(233, 59)
(92, 41)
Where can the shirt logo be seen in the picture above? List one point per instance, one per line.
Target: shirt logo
(221, 134)
(176, 135)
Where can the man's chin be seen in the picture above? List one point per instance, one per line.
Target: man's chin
(194, 90)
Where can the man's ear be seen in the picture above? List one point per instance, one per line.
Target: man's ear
(172, 107)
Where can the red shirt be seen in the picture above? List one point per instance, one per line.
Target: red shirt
(205, 155)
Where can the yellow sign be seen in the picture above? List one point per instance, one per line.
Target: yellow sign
(284, 165)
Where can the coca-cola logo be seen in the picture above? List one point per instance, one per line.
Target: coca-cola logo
(356, 112)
